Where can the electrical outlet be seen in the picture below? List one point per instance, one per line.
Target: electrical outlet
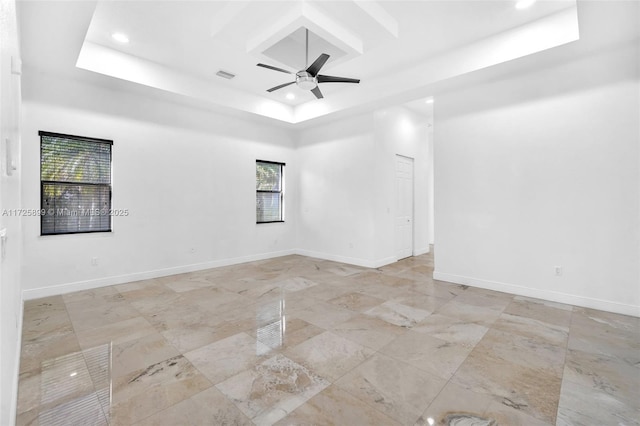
(193, 250)
(558, 270)
(94, 261)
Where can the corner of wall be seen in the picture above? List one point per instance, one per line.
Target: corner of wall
(365, 263)
(421, 250)
(10, 184)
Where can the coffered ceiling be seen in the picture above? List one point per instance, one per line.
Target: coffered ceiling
(396, 48)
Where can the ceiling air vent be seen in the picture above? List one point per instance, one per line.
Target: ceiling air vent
(225, 74)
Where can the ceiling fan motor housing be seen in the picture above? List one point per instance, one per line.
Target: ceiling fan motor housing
(306, 81)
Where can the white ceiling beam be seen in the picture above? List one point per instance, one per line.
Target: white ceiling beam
(269, 35)
(378, 14)
(305, 15)
(331, 30)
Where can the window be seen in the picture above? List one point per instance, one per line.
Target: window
(269, 192)
(75, 184)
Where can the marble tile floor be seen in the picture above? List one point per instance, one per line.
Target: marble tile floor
(302, 341)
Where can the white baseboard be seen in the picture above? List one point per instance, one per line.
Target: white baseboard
(59, 289)
(423, 250)
(366, 263)
(382, 262)
(55, 290)
(554, 296)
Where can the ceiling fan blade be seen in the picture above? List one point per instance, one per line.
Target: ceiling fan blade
(331, 79)
(271, 67)
(314, 68)
(280, 87)
(316, 91)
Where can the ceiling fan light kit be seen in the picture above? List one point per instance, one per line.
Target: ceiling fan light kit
(308, 79)
(305, 81)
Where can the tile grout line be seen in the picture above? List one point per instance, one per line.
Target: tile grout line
(564, 364)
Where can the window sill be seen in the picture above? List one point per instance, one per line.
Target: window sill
(94, 233)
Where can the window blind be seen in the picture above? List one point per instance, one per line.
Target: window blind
(269, 191)
(75, 177)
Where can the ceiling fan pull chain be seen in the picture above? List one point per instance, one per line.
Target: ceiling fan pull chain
(306, 58)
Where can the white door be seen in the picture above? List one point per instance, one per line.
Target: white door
(404, 207)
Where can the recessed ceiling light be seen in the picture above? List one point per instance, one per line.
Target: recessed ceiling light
(291, 96)
(524, 4)
(120, 37)
(429, 101)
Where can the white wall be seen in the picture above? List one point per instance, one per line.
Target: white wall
(336, 219)
(187, 178)
(10, 294)
(347, 184)
(542, 169)
(399, 131)
(185, 175)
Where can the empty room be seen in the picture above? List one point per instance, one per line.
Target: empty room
(311, 212)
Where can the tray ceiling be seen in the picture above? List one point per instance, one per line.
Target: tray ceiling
(397, 48)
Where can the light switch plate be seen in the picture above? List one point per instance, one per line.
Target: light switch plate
(3, 242)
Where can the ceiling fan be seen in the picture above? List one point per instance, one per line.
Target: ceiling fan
(309, 79)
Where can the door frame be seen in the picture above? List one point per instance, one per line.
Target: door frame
(413, 204)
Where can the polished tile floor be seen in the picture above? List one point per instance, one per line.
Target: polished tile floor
(301, 341)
